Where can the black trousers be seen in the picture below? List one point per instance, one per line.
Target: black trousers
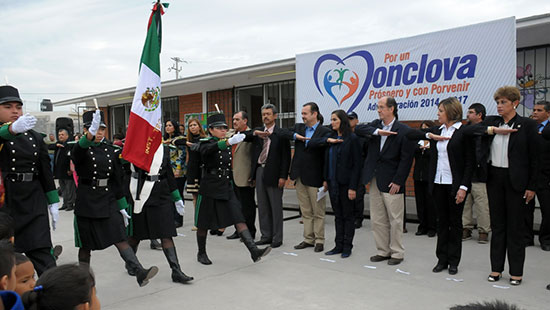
(359, 204)
(42, 259)
(507, 211)
(543, 195)
(425, 208)
(449, 228)
(245, 195)
(344, 216)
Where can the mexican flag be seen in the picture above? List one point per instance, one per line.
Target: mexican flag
(144, 134)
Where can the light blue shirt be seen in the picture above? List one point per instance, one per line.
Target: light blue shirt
(309, 131)
(542, 125)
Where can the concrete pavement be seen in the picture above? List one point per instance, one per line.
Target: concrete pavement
(302, 279)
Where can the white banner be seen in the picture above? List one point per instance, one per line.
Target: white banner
(469, 63)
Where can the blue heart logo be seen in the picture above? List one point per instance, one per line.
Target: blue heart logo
(352, 84)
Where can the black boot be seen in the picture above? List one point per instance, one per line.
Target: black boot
(201, 256)
(142, 275)
(131, 271)
(255, 253)
(235, 235)
(155, 245)
(177, 275)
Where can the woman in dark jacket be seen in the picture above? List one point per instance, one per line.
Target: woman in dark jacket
(195, 133)
(341, 173)
(450, 175)
(424, 201)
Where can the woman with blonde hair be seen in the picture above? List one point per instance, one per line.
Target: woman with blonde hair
(195, 132)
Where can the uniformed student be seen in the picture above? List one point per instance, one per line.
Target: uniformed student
(100, 208)
(27, 176)
(155, 220)
(217, 206)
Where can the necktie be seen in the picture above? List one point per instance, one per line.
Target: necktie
(541, 127)
(265, 149)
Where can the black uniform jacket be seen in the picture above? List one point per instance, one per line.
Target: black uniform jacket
(461, 155)
(391, 164)
(27, 200)
(97, 164)
(308, 160)
(216, 173)
(278, 158)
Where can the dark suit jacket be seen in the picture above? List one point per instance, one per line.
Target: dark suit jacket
(460, 152)
(308, 161)
(393, 163)
(61, 160)
(543, 179)
(522, 149)
(347, 154)
(278, 159)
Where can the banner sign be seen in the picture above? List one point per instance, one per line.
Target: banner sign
(468, 63)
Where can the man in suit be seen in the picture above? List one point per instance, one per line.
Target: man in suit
(359, 201)
(386, 168)
(62, 169)
(307, 172)
(269, 168)
(477, 200)
(541, 112)
(242, 180)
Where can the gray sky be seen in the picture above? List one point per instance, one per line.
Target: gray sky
(64, 49)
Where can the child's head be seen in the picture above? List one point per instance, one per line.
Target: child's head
(7, 266)
(24, 273)
(63, 287)
(7, 227)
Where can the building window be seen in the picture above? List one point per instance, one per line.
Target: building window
(119, 118)
(282, 95)
(533, 77)
(170, 109)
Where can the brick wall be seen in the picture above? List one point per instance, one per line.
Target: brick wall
(190, 104)
(224, 99)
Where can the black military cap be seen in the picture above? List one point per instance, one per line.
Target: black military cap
(352, 115)
(89, 115)
(9, 94)
(215, 120)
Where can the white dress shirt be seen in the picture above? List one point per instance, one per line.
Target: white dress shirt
(386, 128)
(499, 149)
(443, 174)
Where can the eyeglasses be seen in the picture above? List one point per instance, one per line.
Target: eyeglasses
(221, 127)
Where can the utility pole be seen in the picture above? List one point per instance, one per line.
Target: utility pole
(176, 67)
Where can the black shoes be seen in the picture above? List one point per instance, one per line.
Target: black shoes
(545, 247)
(492, 278)
(235, 235)
(358, 224)
(132, 263)
(303, 245)
(319, 247)
(334, 251)
(439, 267)
(378, 258)
(453, 270)
(276, 244)
(346, 254)
(203, 259)
(431, 233)
(216, 232)
(56, 251)
(515, 282)
(394, 261)
(263, 241)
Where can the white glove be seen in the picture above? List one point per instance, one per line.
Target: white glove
(54, 213)
(125, 216)
(96, 120)
(23, 123)
(237, 138)
(180, 207)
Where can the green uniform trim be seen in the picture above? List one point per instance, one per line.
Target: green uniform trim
(52, 196)
(197, 209)
(84, 142)
(175, 195)
(77, 241)
(222, 145)
(130, 227)
(122, 203)
(5, 132)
